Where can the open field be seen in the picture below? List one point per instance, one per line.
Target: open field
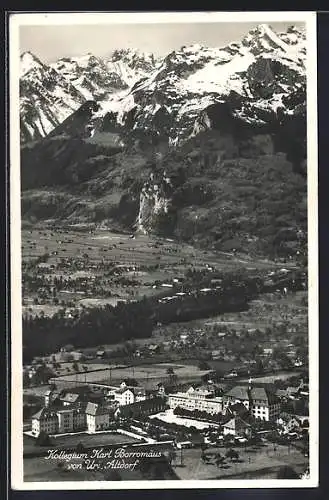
(66, 368)
(254, 463)
(141, 264)
(143, 249)
(40, 469)
(145, 374)
(262, 463)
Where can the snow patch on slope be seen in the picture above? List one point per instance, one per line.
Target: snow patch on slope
(220, 78)
(28, 61)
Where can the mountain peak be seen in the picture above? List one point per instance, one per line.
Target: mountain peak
(29, 61)
(262, 39)
(132, 56)
(261, 28)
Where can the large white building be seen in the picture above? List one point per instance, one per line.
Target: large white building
(196, 399)
(259, 400)
(66, 411)
(125, 395)
(92, 417)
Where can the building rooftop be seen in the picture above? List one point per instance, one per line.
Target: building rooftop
(257, 393)
(234, 422)
(70, 397)
(96, 409)
(237, 408)
(238, 392)
(44, 413)
(121, 390)
(66, 410)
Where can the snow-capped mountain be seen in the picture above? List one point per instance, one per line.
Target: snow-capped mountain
(90, 75)
(132, 65)
(171, 98)
(50, 93)
(29, 62)
(255, 76)
(46, 98)
(208, 146)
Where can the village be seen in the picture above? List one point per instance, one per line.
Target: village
(208, 365)
(234, 415)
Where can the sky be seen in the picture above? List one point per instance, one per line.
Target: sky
(50, 42)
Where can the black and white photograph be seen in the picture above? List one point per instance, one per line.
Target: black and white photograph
(163, 250)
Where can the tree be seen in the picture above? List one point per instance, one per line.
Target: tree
(172, 455)
(227, 439)
(259, 366)
(219, 459)
(232, 454)
(75, 366)
(42, 375)
(80, 447)
(131, 382)
(203, 365)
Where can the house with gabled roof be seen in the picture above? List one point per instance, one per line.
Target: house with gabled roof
(237, 427)
(259, 399)
(97, 417)
(124, 396)
(45, 420)
(139, 394)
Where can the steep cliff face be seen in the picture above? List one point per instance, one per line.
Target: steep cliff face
(154, 202)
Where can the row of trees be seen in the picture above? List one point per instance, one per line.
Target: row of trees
(124, 321)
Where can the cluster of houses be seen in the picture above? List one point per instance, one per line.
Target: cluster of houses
(261, 402)
(83, 409)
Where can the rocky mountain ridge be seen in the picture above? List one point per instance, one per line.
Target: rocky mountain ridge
(167, 97)
(209, 147)
(49, 93)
